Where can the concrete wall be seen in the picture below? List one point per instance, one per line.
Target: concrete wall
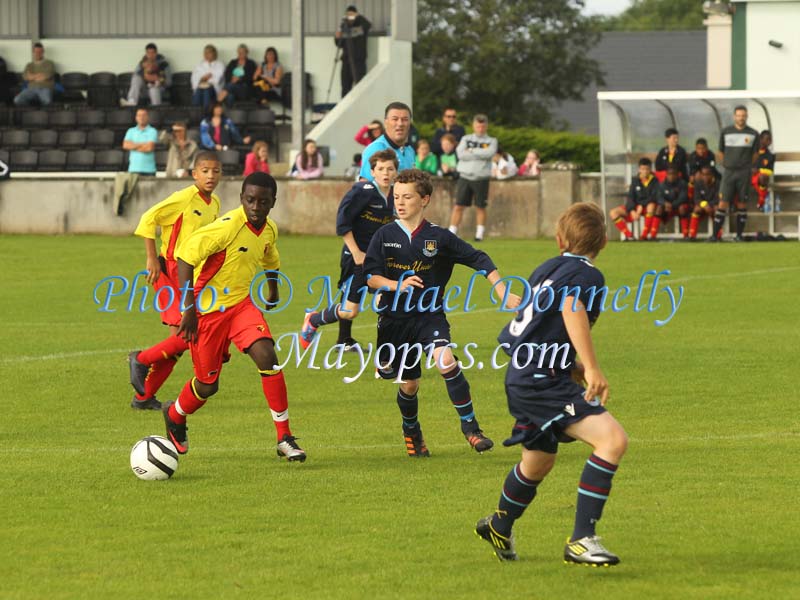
(771, 68)
(520, 208)
(121, 55)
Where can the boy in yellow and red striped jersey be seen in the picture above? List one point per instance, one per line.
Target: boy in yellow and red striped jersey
(225, 258)
(178, 216)
(763, 166)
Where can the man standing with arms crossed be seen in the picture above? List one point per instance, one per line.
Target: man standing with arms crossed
(475, 152)
(737, 145)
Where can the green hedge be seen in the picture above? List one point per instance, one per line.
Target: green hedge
(552, 145)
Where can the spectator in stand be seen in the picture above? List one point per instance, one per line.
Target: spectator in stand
(39, 76)
(208, 79)
(180, 158)
(369, 133)
(503, 165)
(352, 170)
(218, 132)
(238, 77)
(257, 160)
(396, 126)
(532, 165)
(309, 162)
(152, 75)
(671, 154)
(448, 161)
(475, 152)
(451, 126)
(351, 37)
(267, 78)
(140, 142)
(426, 160)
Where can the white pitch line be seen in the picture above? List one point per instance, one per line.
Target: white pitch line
(66, 355)
(228, 449)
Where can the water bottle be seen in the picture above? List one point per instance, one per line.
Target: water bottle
(777, 203)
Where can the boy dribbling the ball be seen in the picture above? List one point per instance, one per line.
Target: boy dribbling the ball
(226, 257)
(548, 405)
(178, 216)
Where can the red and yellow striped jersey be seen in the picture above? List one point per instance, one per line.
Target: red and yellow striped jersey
(227, 255)
(179, 216)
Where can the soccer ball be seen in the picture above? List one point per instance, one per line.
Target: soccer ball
(154, 458)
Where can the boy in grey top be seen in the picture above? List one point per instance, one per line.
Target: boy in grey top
(737, 144)
(40, 76)
(475, 152)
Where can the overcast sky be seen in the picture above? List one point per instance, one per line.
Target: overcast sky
(606, 7)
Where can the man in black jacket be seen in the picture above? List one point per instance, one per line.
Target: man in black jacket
(351, 37)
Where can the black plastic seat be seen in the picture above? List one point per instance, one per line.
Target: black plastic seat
(63, 119)
(72, 139)
(16, 138)
(80, 160)
(52, 160)
(91, 119)
(100, 139)
(35, 119)
(76, 86)
(23, 160)
(230, 162)
(108, 160)
(44, 139)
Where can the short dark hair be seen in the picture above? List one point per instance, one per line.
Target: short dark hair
(703, 141)
(261, 179)
(670, 131)
(38, 45)
(766, 132)
(151, 46)
(383, 155)
(645, 162)
(420, 179)
(740, 107)
(396, 106)
(208, 155)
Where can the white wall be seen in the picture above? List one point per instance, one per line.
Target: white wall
(389, 81)
(771, 68)
(120, 55)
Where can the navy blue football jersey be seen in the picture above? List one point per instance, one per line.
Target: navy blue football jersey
(676, 192)
(430, 252)
(537, 339)
(642, 192)
(364, 210)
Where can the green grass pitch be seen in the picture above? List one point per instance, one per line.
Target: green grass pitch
(704, 504)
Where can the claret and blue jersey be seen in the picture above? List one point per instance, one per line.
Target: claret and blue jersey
(364, 210)
(430, 252)
(539, 326)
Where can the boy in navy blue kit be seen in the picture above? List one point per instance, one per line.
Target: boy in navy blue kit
(364, 209)
(548, 405)
(410, 262)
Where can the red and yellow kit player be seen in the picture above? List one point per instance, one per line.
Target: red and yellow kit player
(763, 166)
(223, 260)
(178, 216)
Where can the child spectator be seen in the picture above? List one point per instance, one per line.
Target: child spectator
(218, 132)
(763, 166)
(531, 167)
(369, 133)
(426, 160)
(671, 154)
(448, 160)
(257, 160)
(308, 164)
(503, 165)
(353, 170)
(642, 198)
(182, 150)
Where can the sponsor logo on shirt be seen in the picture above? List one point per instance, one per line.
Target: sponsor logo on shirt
(392, 245)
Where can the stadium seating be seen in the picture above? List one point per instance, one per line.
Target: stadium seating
(76, 87)
(35, 119)
(91, 119)
(181, 88)
(230, 162)
(63, 119)
(44, 139)
(16, 138)
(52, 160)
(23, 160)
(72, 139)
(109, 160)
(100, 138)
(80, 160)
(103, 89)
(4, 156)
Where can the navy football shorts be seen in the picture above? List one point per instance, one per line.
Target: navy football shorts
(544, 409)
(423, 329)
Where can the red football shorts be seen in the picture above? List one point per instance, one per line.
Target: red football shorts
(242, 324)
(169, 278)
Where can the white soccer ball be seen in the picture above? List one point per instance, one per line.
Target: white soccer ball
(154, 458)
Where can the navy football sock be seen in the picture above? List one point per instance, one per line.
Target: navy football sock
(409, 407)
(345, 330)
(518, 492)
(458, 390)
(325, 317)
(593, 491)
(719, 220)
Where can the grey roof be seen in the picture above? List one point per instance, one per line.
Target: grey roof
(640, 61)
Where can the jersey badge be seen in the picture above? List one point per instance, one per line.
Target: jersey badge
(430, 248)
